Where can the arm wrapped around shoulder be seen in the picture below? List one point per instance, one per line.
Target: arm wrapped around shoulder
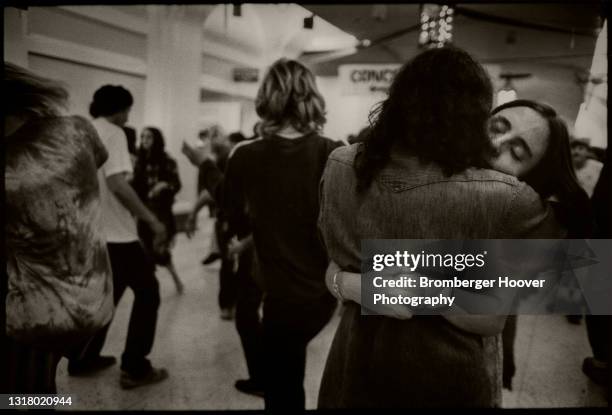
(530, 217)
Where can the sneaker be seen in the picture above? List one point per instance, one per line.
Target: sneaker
(90, 366)
(250, 386)
(596, 370)
(128, 381)
(227, 314)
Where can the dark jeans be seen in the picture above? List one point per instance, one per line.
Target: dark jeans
(228, 285)
(508, 337)
(248, 323)
(228, 289)
(132, 268)
(598, 330)
(288, 328)
(27, 369)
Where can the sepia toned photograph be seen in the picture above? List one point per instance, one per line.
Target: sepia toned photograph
(290, 207)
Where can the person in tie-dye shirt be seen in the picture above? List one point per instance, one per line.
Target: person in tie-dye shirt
(59, 278)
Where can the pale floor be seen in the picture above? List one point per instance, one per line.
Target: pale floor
(204, 357)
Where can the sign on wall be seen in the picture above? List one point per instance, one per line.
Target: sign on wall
(366, 79)
(246, 74)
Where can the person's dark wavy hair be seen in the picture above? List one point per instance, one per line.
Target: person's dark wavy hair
(157, 152)
(554, 175)
(437, 109)
(109, 100)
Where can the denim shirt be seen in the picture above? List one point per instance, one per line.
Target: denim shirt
(411, 200)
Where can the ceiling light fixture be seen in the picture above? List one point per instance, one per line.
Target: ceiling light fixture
(436, 25)
(309, 22)
(508, 93)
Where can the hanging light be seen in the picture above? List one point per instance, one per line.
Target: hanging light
(309, 22)
(436, 25)
(507, 93)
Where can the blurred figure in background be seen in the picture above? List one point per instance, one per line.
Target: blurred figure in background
(207, 200)
(156, 181)
(59, 278)
(248, 280)
(220, 149)
(587, 168)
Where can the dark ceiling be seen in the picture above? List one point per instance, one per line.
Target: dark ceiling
(555, 33)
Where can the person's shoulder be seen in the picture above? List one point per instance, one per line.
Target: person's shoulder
(77, 120)
(344, 154)
(326, 141)
(108, 129)
(242, 146)
(58, 122)
(490, 175)
(61, 127)
(498, 186)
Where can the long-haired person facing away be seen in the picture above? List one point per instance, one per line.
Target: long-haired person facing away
(420, 175)
(59, 276)
(271, 189)
(156, 181)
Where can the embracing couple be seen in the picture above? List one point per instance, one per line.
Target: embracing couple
(438, 164)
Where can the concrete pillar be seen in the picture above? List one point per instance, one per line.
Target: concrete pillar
(15, 36)
(174, 70)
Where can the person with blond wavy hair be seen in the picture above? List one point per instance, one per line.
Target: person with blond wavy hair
(271, 188)
(289, 99)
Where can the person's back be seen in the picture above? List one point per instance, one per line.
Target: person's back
(119, 224)
(58, 280)
(420, 202)
(409, 200)
(271, 188)
(280, 182)
(53, 228)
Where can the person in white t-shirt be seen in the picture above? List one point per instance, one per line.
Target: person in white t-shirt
(130, 265)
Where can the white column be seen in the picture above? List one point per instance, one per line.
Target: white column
(592, 120)
(174, 68)
(15, 36)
